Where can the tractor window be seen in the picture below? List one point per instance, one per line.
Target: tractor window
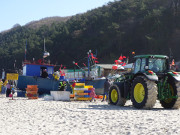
(157, 65)
(137, 65)
(143, 64)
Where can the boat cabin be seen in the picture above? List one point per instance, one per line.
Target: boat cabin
(30, 69)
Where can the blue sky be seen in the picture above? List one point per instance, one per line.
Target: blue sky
(24, 11)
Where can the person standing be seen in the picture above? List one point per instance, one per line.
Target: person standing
(44, 74)
(4, 86)
(92, 94)
(62, 86)
(106, 89)
(8, 90)
(1, 84)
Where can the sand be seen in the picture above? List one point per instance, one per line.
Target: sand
(38, 117)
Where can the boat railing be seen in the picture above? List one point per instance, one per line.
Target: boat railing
(41, 62)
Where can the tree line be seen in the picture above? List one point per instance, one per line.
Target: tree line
(120, 27)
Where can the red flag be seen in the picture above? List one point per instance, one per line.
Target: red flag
(173, 63)
(63, 73)
(114, 67)
(94, 57)
(120, 58)
(124, 57)
(96, 61)
(84, 64)
(76, 64)
(116, 61)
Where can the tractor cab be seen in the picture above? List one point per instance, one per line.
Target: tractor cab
(155, 63)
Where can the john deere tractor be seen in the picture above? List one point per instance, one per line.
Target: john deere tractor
(150, 79)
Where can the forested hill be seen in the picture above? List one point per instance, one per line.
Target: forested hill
(120, 27)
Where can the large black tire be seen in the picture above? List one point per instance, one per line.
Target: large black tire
(175, 91)
(143, 93)
(115, 96)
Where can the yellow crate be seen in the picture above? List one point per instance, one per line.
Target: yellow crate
(12, 76)
(88, 86)
(84, 99)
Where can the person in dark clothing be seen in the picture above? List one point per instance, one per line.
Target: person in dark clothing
(44, 74)
(8, 91)
(106, 89)
(62, 86)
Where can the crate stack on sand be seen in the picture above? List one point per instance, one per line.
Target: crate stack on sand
(82, 91)
(32, 91)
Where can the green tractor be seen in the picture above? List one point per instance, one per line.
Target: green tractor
(150, 79)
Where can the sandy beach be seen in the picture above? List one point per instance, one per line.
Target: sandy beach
(38, 117)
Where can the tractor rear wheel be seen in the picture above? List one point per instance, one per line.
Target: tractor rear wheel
(143, 93)
(175, 91)
(115, 96)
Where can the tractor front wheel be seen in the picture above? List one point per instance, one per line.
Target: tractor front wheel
(143, 93)
(115, 96)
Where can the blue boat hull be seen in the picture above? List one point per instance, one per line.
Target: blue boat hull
(45, 85)
(97, 84)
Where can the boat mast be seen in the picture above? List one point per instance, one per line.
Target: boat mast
(45, 54)
(25, 51)
(44, 46)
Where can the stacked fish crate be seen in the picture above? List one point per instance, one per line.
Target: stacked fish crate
(32, 91)
(82, 92)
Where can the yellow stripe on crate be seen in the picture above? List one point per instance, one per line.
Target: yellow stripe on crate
(88, 86)
(79, 98)
(82, 94)
(78, 91)
(80, 84)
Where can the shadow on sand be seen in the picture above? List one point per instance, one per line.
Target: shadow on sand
(122, 108)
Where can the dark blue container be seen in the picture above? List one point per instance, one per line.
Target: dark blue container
(21, 93)
(61, 78)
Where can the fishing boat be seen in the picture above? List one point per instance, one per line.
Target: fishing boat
(90, 74)
(32, 75)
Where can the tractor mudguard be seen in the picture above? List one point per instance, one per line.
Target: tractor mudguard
(151, 77)
(120, 86)
(174, 75)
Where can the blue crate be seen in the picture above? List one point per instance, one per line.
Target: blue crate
(87, 91)
(86, 96)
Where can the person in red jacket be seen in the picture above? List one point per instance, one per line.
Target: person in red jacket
(92, 94)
